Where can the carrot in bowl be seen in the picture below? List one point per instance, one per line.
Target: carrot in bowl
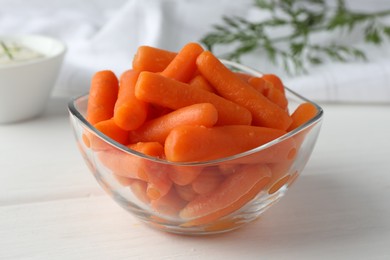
(230, 86)
(152, 59)
(303, 113)
(200, 82)
(198, 143)
(183, 66)
(275, 80)
(233, 193)
(269, 91)
(156, 174)
(129, 112)
(110, 129)
(173, 94)
(157, 129)
(102, 96)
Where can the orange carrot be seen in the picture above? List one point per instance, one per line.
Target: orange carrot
(152, 59)
(198, 143)
(282, 151)
(183, 175)
(276, 96)
(230, 86)
(153, 149)
(124, 181)
(259, 84)
(138, 188)
(158, 129)
(232, 194)
(170, 93)
(129, 112)
(185, 192)
(132, 166)
(200, 82)
(159, 183)
(279, 184)
(269, 91)
(183, 66)
(207, 181)
(275, 80)
(169, 204)
(302, 114)
(110, 129)
(102, 96)
(280, 175)
(123, 164)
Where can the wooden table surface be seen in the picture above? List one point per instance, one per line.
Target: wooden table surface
(52, 208)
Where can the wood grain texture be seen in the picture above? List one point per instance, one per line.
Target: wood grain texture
(51, 207)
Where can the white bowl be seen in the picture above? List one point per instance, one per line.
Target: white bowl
(25, 86)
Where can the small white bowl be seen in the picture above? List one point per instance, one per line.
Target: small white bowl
(25, 86)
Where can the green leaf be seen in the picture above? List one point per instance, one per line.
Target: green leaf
(386, 31)
(297, 48)
(315, 60)
(372, 35)
(264, 4)
(303, 19)
(230, 21)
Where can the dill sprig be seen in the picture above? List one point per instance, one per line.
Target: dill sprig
(6, 50)
(296, 50)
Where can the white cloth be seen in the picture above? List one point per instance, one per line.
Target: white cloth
(105, 35)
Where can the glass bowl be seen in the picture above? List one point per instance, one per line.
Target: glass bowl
(201, 197)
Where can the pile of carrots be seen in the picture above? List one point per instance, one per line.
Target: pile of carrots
(190, 107)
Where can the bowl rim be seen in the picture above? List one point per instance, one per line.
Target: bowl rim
(62, 49)
(316, 119)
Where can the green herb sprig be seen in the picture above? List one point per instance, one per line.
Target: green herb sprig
(6, 50)
(302, 19)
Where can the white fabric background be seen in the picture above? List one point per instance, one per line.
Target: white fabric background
(105, 35)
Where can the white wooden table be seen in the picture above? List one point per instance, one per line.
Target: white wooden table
(52, 208)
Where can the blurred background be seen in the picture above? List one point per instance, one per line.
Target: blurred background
(103, 34)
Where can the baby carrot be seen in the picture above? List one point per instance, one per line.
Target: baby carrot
(230, 86)
(280, 175)
(153, 149)
(138, 188)
(198, 143)
(110, 129)
(123, 164)
(102, 96)
(133, 166)
(152, 59)
(302, 114)
(275, 80)
(169, 204)
(285, 150)
(183, 66)
(259, 84)
(159, 183)
(129, 112)
(269, 91)
(170, 93)
(207, 181)
(232, 194)
(183, 175)
(185, 192)
(200, 82)
(124, 181)
(158, 129)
